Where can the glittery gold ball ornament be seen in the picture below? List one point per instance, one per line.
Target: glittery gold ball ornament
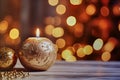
(8, 58)
(38, 53)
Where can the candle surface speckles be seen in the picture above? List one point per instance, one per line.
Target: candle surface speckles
(38, 53)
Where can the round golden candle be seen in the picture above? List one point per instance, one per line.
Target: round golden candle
(38, 53)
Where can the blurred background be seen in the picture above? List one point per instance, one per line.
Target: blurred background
(82, 29)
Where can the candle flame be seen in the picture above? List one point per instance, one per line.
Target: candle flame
(37, 32)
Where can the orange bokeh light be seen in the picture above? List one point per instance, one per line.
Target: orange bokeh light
(3, 26)
(104, 11)
(110, 45)
(80, 52)
(119, 26)
(78, 30)
(48, 29)
(76, 46)
(106, 56)
(116, 10)
(88, 49)
(91, 9)
(60, 43)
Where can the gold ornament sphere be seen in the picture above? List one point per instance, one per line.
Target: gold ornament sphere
(37, 54)
(8, 58)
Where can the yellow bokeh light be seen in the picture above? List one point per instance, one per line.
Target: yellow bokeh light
(71, 59)
(119, 26)
(104, 11)
(14, 33)
(60, 9)
(106, 56)
(3, 26)
(88, 49)
(91, 9)
(66, 54)
(58, 32)
(48, 29)
(71, 49)
(75, 2)
(98, 44)
(53, 2)
(71, 21)
(60, 43)
(80, 52)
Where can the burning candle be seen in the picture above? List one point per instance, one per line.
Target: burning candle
(37, 53)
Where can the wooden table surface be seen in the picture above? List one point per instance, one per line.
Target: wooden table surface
(80, 70)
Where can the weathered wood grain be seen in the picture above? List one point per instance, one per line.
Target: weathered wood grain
(80, 70)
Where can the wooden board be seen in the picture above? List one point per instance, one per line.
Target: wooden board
(80, 70)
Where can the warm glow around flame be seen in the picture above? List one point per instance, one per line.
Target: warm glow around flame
(37, 32)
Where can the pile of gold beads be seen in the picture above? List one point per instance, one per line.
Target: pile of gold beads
(13, 75)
